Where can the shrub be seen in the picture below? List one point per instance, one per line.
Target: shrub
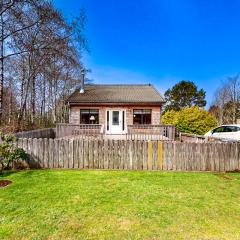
(9, 152)
(171, 117)
(190, 120)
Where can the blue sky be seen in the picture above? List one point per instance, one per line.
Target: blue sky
(160, 41)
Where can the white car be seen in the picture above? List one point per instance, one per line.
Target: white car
(225, 132)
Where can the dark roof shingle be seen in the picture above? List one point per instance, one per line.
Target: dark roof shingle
(119, 93)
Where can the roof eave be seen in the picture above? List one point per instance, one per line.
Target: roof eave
(114, 103)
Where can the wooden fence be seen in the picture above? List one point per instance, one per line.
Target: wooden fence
(194, 138)
(38, 133)
(131, 155)
(188, 137)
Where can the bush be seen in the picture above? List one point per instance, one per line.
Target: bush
(190, 120)
(9, 152)
(171, 117)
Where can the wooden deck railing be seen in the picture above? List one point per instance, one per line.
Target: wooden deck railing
(66, 130)
(134, 132)
(151, 132)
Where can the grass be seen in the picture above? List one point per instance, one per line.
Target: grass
(70, 204)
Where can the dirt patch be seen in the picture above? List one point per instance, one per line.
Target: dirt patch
(126, 224)
(234, 171)
(4, 183)
(226, 177)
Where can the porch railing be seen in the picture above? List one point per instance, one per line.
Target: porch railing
(151, 132)
(66, 130)
(134, 132)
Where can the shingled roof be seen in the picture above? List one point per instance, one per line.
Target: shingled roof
(119, 93)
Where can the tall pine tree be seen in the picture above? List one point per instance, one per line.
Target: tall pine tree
(184, 94)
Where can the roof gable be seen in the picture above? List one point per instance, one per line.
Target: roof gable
(119, 93)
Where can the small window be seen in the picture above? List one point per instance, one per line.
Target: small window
(115, 118)
(107, 120)
(142, 116)
(89, 116)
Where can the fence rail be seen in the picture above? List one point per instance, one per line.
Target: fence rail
(131, 155)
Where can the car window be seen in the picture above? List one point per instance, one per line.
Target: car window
(218, 130)
(231, 129)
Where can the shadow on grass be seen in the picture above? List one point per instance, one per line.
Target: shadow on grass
(7, 173)
(26, 173)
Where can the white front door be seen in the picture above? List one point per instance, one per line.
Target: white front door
(115, 121)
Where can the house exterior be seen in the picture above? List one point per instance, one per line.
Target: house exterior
(117, 108)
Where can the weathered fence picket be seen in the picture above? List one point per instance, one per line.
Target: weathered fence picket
(131, 154)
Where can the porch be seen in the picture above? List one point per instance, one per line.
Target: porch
(132, 132)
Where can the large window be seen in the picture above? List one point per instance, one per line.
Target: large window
(89, 116)
(142, 116)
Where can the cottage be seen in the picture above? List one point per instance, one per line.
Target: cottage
(117, 108)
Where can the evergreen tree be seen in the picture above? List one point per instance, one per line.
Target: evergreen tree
(184, 94)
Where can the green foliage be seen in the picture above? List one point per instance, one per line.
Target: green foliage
(190, 120)
(9, 152)
(170, 117)
(184, 94)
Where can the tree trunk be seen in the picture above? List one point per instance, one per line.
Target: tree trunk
(1, 69)
(33, 100)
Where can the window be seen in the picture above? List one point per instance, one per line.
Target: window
(218, 130)
(89, 116)
(231, 129)
(142, 116)
(123, 120)
(225, 129)
(107, 120)
(115, 117)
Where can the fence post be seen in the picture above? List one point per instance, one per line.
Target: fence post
(150, 154)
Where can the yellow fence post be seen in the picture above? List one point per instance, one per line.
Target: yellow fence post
(150, 154)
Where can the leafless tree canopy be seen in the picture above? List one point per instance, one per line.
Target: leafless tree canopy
(40, 65)
(226, 105)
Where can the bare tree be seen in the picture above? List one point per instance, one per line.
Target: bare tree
(46, 51)
(234, 96)
(227, 101)
(13, 16)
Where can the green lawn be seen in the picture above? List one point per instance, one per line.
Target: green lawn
(71, 204)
